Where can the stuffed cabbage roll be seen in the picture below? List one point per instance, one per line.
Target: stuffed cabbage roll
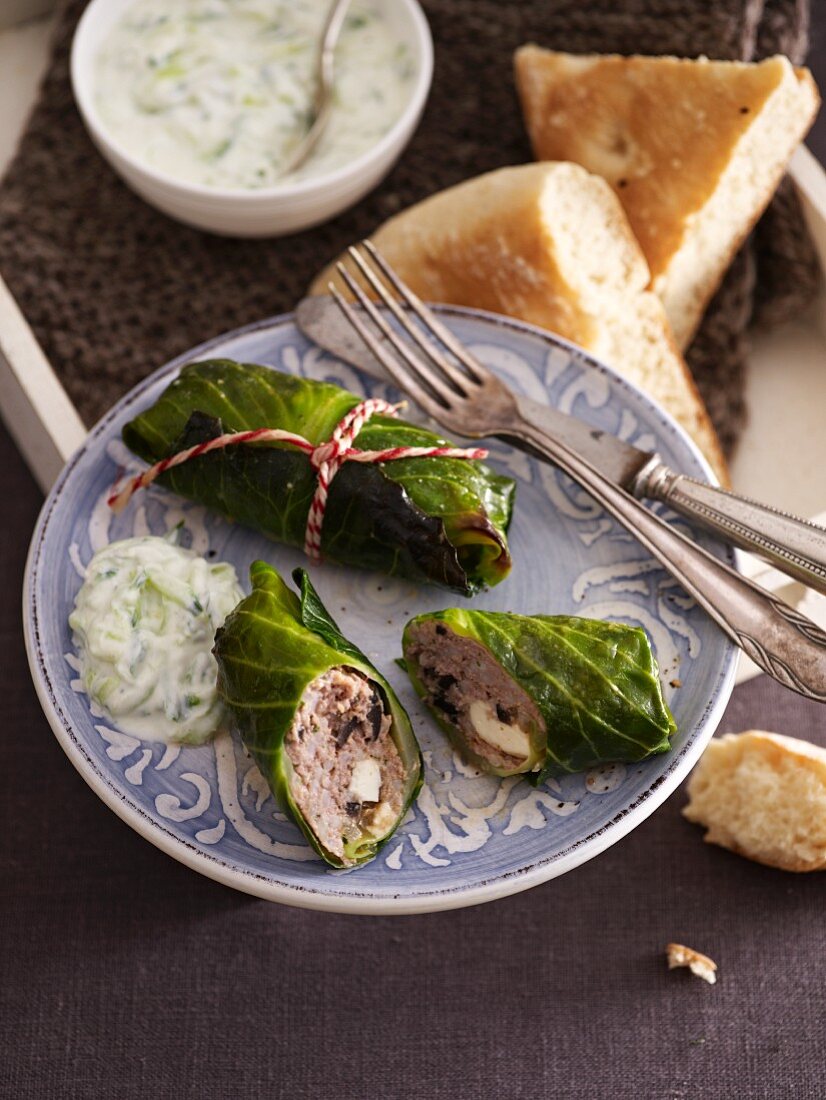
(435, 519)
(324, 727)
(539, 694)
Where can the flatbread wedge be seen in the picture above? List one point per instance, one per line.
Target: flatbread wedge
(693, 148)
(548, 244)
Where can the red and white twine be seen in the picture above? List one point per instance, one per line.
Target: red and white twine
(326, 459)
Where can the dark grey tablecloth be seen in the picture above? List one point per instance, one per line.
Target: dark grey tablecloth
(125, 975)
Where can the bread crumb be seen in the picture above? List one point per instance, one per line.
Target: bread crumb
(701, 965)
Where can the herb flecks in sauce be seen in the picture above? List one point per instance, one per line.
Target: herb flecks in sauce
(144, 624)
(219, 92)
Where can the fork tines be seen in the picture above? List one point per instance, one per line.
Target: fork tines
(457, 373)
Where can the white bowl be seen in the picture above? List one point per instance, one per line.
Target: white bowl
(270, 211)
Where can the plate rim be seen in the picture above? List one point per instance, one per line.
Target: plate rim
(368, 904)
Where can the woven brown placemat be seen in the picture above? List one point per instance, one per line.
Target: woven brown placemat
(113, 289)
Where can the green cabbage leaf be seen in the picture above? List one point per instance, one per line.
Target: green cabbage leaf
(436, 520)
(270, 648)
(596, 685)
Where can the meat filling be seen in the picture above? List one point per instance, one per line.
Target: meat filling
(492, 715)
(348, 777)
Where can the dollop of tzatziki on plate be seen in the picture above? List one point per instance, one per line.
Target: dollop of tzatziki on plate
(219, 92)
(144, 624)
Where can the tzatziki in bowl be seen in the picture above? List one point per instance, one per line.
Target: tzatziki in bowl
(198, 104)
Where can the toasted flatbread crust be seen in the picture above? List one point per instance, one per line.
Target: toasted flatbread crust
(693, 148)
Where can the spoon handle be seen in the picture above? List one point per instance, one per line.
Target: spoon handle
(324, 77)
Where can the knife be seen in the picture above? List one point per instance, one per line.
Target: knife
(793, 545)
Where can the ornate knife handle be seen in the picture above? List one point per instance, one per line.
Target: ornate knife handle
(781, 641)
(793, 545)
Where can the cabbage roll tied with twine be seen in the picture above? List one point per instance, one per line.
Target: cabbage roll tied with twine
(332, 474)
(325, 728)
(542, 695)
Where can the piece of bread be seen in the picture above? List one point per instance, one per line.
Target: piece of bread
(694, 149)
(763, 796)
(549, 244)
(701, 965)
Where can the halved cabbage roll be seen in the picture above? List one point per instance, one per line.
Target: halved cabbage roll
(435, 519)
(325, 728)
(538, 694)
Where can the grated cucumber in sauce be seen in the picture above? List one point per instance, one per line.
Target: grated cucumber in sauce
(218, 92)
(144, 624)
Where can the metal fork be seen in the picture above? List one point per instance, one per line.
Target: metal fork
(454, 388)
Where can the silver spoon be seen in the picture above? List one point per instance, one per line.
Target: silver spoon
(324, 73)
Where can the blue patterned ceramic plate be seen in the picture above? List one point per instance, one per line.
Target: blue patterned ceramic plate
(469, 838)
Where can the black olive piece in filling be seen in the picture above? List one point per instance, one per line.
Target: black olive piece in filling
(344, 733)
(375, 715)
(446, 707)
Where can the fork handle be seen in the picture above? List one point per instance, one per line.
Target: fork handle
(780, 641)
(795, 546)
